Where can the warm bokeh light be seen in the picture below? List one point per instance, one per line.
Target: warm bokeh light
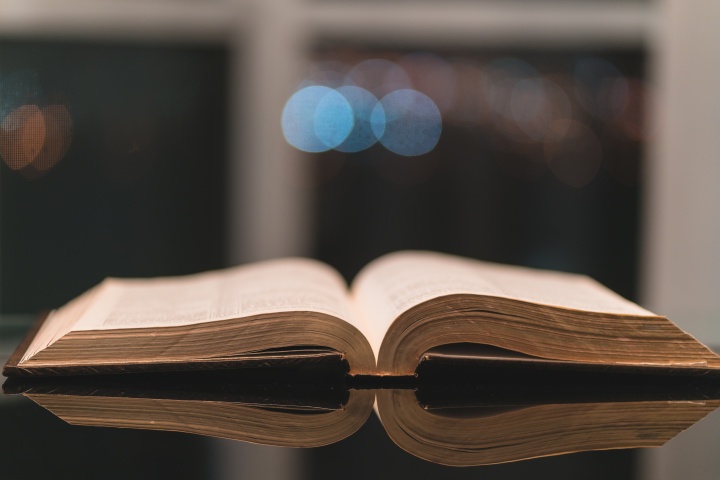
(600, 87)
(632, 119)
(23, 136)
(470, 104)
(536, 103)
(58, 137)
(433, 76)
(33, 138)
(505, 73)
(379, 76)
(331, 74)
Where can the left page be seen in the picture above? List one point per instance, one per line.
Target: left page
(275, 286)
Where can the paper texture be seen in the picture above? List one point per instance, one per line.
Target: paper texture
(286, 285)
(396, 282)
(270, 288)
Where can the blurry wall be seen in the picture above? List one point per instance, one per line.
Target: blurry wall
(114, 163)
(682, 261)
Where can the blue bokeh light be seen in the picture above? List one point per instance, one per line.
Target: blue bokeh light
(18, 88)
(407, 122)
(316, 119)
(363, 105)
(349, 118)
(333, 119)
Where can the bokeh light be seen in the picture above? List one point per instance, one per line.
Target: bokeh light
(349, 118)
(536, 103)
(378, 76)
(469, 107)
(412, 122)
(58, 137)
(18, 88)
(531, 115)
(33, 138)
(433, 76)
(600, 87)
(505, 73)
(632, 120)
(331, 74)
(316, 119)
(333, 119)
(23, 136)
(363, 104)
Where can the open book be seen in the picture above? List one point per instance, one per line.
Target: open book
(400, 307)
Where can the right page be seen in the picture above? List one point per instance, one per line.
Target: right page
(413, 300)
(396, 282)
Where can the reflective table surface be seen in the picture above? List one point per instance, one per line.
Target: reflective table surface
(322, 424)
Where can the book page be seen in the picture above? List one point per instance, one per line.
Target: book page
(394, 283)
(275, 286)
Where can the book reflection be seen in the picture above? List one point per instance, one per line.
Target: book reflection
(456, 425)
(500, 432)
(216, 404)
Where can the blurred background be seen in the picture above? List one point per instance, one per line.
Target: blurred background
(170, 137)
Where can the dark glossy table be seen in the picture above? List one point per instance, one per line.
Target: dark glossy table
(37, 444)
